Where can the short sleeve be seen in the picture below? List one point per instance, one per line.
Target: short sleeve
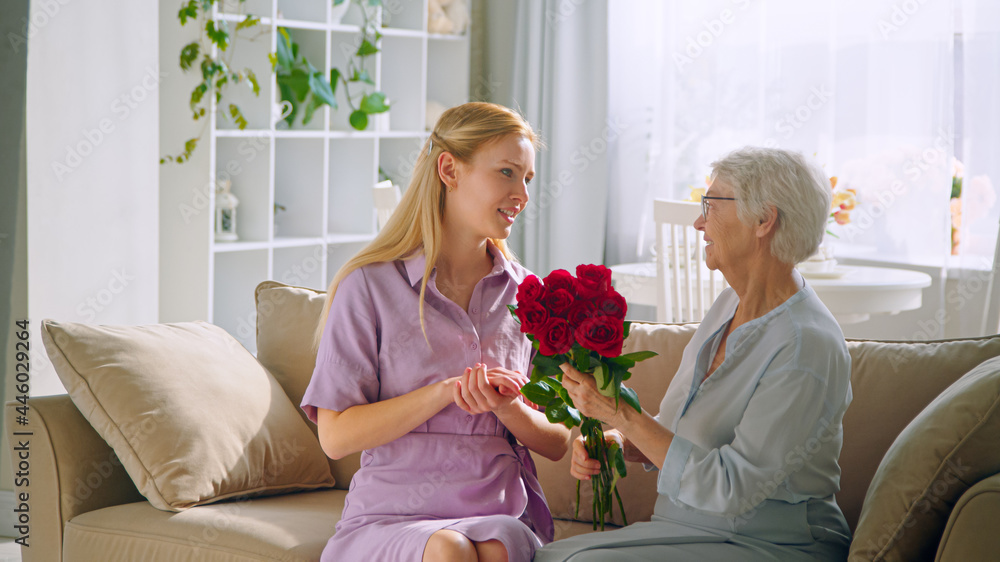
(346, 372)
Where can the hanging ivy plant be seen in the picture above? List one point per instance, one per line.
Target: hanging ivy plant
(217, 72)
(300, 83)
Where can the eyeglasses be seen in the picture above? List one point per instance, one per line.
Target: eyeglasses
(704, 204)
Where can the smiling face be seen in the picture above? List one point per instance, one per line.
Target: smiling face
(484, 196)
(727, 240)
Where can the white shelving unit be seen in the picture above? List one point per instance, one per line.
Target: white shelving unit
(322, 173)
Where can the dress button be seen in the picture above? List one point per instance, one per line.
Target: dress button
(475, 346)
(468, 418)
(475, 311)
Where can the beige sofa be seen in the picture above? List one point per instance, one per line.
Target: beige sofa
(84, 505)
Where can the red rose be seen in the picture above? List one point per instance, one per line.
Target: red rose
(556, 337)
(561, 279)
(612, 304)
(602, 334)
(580, 311)
(530, 289)
(593, 280)
(533, 317)
(557, 301)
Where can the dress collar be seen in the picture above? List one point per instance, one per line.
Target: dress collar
(416, 263)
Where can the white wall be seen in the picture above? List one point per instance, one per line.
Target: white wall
(92, 167)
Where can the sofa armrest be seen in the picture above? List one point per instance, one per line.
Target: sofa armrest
(971, 530)
(70, 470)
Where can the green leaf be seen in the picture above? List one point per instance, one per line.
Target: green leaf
(637, 356)
(321, 89)
(338, 2)
(538, 392)
(366, 48)
(298, 81)
(549, 366)
(626, 328)
(314, 104)
(254, 85)
(249, 22)
(237, 115)
(556, 414)
(190, 145)
(188, 11)
(198, 93)
(334, 78)
(574, 416)
(274, 61)
(284, 49)
(374, 103)
(218, 34)
(564, 394)
(189, 54)
(631, 398)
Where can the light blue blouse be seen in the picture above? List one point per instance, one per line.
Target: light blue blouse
(762, 434)
(752, 470)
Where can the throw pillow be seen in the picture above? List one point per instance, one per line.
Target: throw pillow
(892, 383)
(948, 447)
(192, 415)
(286, 323)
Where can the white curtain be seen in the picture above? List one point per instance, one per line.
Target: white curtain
(979, 60)
(864, 87)
(549, 59)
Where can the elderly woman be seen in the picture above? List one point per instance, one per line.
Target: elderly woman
(749, 431)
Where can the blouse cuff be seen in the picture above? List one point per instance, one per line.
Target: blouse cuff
(669, 481)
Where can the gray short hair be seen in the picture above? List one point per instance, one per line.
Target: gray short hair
(761, 177)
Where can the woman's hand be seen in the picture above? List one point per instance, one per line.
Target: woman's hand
(582, 388)
(582, 467)
(480, 390)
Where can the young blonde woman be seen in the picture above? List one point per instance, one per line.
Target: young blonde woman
(420, 362)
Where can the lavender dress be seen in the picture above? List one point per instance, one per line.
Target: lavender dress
(455, 471)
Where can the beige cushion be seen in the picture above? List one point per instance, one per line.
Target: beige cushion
(290, 528)
(286, 322)
(192, 415)
(650, 379)
(950, 445)
(892, 382)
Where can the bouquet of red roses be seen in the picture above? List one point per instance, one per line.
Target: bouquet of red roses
(580, 320)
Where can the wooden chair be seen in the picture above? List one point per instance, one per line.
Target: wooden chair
(685, 287)
(386, 196)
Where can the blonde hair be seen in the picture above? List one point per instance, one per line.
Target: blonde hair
(417, 221)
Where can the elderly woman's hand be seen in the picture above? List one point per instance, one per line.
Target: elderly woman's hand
(582, 389)
(582, 467)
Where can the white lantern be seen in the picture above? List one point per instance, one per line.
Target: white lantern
(225, 213)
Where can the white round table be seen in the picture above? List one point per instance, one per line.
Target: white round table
(852, 292)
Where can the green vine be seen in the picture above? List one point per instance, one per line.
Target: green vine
(217, 72)
(301, 84)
